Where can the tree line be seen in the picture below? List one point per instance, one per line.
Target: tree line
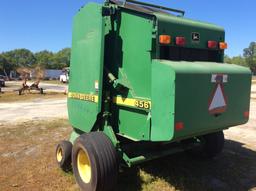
(24, 58)
(14, 59)
(248, 58)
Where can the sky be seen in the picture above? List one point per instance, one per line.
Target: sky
(47, 24)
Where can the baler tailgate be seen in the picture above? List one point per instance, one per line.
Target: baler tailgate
(208, 97)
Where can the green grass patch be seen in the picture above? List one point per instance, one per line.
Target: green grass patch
(57, 82)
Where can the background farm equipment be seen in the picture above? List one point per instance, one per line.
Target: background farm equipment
(25, 75)
(27, 88)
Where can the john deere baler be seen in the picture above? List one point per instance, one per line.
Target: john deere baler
(144, 83)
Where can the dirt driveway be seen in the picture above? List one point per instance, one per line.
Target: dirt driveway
(37, 109)
(27, 156)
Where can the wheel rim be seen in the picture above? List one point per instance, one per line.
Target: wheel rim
(59, 155)
(84, 166)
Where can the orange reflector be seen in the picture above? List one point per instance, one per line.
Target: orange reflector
(165, 39)
(223, 45)
(179, 126)
(246, 114)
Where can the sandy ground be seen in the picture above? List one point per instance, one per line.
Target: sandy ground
(38, 109)
(246, 133)
(253, 95)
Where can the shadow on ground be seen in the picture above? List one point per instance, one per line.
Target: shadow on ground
(234, 169)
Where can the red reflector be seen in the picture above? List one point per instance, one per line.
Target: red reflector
(246, 114)
(179, 126)
(180, 41)
(212, 44)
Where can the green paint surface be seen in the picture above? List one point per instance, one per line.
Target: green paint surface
(86, 65)
(193, 93)
(163, 102)
(179, 26)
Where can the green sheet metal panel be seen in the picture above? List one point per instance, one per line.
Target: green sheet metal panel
(193, 92)
(135, 70)
(86, 67)
(136, 33)
(179, 26)
(163, 102)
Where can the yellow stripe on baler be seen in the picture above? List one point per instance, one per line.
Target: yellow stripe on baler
(138, 103)
(130, 102)
(84, 97)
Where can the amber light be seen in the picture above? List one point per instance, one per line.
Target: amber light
(165, 39)
(212, 44)
(180, 41)
(223, 45)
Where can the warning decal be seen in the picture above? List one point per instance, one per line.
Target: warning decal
(218, 103)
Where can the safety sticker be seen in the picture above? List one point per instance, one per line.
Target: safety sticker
(218, 102)
(219, 78)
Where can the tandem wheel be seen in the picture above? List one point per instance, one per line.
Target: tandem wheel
(95, 162)
(63, 155)
(210, 145)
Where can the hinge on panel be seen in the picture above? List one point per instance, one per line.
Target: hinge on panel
(108, 10)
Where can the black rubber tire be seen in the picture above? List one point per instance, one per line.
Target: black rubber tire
(103, 162)
(211, 145)
(65, 147)
(214, 144)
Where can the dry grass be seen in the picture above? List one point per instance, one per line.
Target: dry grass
(14, 97)
(27, 156)
(27, 162)
(57, 82)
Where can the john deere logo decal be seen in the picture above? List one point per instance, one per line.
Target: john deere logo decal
(195, 37)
